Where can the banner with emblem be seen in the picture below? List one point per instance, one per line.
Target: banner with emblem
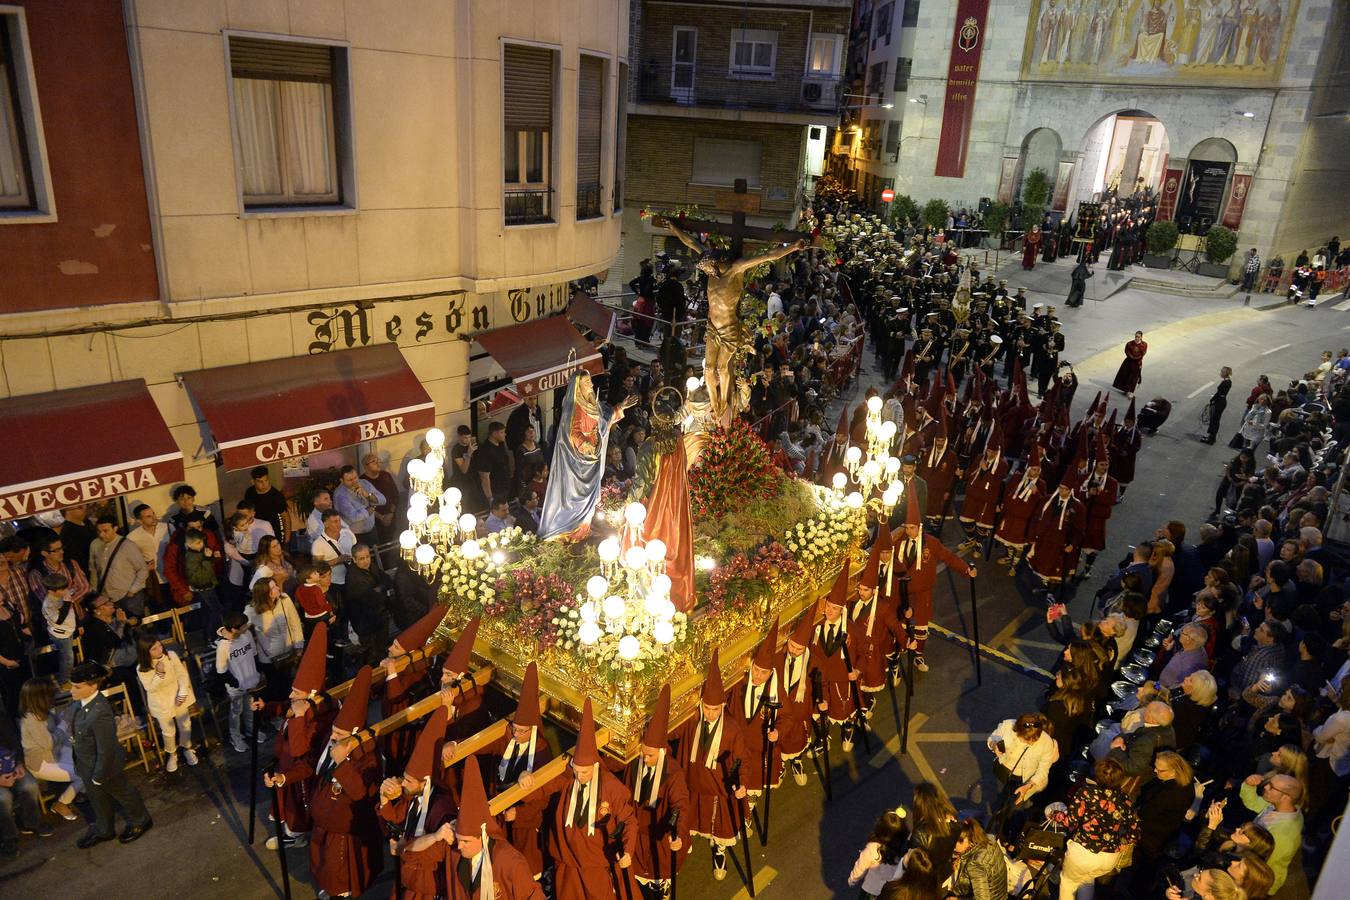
(1237, 201)
(1171, 187)
(963, 71)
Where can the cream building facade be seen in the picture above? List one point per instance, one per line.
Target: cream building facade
(420, 244)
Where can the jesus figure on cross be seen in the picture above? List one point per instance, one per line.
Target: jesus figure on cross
(727, 341)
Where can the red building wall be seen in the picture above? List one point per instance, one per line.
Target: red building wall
(99, 250)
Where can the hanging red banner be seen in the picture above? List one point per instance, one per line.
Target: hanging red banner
(1237, 202)
(1167, 201)
(963, 70)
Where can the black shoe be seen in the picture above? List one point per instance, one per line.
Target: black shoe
(42, 829)
(91, 839)
(135, 831)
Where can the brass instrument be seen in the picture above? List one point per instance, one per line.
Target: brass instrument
(997, 343)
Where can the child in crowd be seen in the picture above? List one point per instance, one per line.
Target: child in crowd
(62, 622)
(237, 663)
(201, 576)
(881, 859)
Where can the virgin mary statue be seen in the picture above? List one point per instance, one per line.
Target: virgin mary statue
(578, 462)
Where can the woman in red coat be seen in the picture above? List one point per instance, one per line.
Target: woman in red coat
(1031, 242)
(1131, 370)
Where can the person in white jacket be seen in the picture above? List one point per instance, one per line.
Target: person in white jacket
(169, 696)
(237, 661)
(1024, 751)
(278, 627)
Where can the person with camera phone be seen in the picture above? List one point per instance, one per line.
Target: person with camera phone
(1024, 751)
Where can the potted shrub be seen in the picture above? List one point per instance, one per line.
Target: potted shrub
(904, 212)
(996, 221)
(1220, 245)
(1162, 242)
(935, 213)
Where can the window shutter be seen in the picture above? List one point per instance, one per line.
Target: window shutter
(590, 109)
(281, 60)
(529, 88)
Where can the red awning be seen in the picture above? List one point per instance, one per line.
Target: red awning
(502, 401)
(541, 355)
(284, 408)
(70, 447)
(592, 315)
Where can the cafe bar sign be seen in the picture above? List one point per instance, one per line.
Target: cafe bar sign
(243, 453)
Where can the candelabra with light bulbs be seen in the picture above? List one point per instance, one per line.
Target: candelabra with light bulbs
(870, 467)
(436, 525)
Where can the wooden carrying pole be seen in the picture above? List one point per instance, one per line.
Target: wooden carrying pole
(433, 648)
(542, 776)
(426, 706)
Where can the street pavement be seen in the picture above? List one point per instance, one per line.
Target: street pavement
(198, 845)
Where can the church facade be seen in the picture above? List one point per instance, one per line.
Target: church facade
(1233, 111)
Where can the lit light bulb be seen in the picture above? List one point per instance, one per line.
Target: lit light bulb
(871, 470)
(654, 604)
(588, 612)
(629, 647)
(891, 497)
(498, 557)
(656, 551)
(417, 515)
(705, 563)
(588, 633)
(407, 540)
(840, 481)
(661, 585)
(874, 404)
(692, 384)
(613, 607)
(419, 499)
(897, 486)
(892, 466)
(597, 586)
(855, 500)
(424, 554)
(435, 439)
(887, 430)
(415, 470)
(852, 455)
(467, 523)
(635, 558)
(452, 496)
(663, 632)
(471, 549)
(608, 550)
(429, 465)
(635, 514)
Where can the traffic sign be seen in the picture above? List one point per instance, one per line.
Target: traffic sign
(887, 195)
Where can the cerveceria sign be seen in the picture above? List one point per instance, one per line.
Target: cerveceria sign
(84, 487)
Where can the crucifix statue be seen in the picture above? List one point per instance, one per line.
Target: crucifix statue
(727, 341)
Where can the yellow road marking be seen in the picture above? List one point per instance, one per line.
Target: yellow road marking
(763, 877)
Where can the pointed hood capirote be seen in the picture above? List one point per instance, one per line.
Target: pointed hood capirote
(766, 654)
(586, 753)
(424, 755)
(457, 660)
(527, 709)
(880, 547)
(309, 677)
(658, 727)
(801, 632)
(416, 635)
(714, 694)
(352, 716)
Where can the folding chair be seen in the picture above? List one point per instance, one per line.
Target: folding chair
(128, 732)
(210, 692)
(180, 629)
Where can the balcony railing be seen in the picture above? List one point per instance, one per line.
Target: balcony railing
(783, 92)
(527, 207)
(588, 201)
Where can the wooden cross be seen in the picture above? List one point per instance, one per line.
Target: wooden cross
(738, 202)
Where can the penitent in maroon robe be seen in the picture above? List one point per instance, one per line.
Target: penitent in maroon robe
(345, 851)
(586, 864)
(511, 877)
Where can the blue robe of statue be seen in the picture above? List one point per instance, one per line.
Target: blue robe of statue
(578, 465)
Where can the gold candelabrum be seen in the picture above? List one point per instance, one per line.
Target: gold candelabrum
(870, 466)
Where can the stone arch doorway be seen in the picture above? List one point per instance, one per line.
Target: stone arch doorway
(1041, 149)
(1207, 180)
(1123, 153)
